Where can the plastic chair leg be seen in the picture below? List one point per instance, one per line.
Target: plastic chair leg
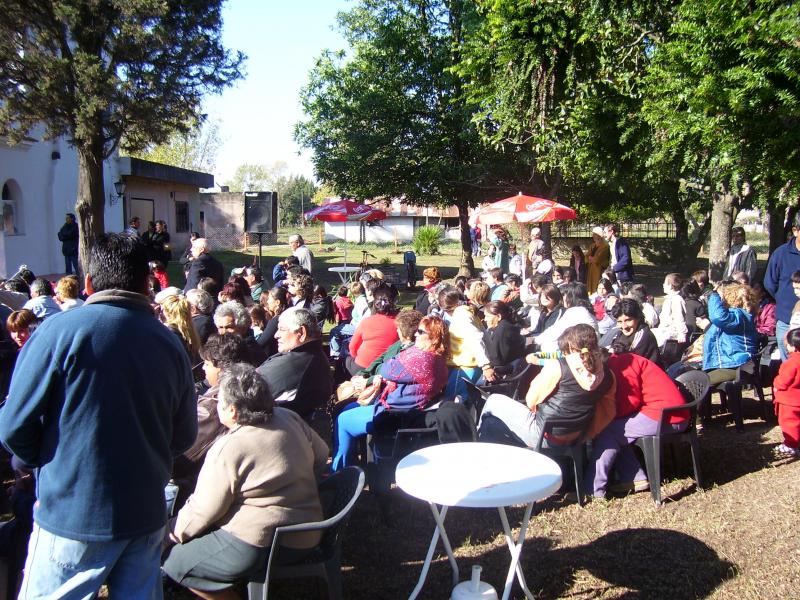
(651, 446)
(255, 591)
(578, 465)
(695, 448)
(734, 393)
(333, 577)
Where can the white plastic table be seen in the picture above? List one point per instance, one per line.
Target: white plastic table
(478, 475)
(344, 272)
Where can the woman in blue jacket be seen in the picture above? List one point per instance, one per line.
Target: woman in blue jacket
(731, 339)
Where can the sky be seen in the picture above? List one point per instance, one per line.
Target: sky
(281, 40)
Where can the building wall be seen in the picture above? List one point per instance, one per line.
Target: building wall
(44, 178)
(222, 222)
(383, 231)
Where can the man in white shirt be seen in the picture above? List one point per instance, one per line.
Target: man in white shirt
(741, 257)
(301, 251)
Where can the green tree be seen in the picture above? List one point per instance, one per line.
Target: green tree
(194, 149)
(296, 194)
(257, 177)
(387, 118)
(723, 97)
(101, 71)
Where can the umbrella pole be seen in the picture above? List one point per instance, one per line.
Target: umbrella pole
(345, 243)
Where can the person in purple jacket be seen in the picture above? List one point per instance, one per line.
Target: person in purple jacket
(410, 381)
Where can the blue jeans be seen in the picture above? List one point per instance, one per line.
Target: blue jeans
(350, 425)
(780, 332)
(456, 387)
(338, 335)
(71, 264)
(58, 567)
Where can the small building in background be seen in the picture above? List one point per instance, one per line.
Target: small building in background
(401, 223)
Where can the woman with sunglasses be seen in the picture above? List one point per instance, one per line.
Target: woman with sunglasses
(410, 381)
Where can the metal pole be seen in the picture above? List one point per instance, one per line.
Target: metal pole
(302, 209)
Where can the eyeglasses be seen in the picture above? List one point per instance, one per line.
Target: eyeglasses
(421, 332)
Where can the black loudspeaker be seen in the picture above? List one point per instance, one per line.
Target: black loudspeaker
(258, 212)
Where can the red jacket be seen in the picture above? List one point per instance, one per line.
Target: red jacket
(343, 308)
(371, 339)
(786, 385)
(643, 386)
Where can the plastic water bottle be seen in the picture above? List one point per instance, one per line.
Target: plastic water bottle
(474, 589)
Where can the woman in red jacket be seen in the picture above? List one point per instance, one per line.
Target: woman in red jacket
(375, 333)
(643, 389)
(786, 387)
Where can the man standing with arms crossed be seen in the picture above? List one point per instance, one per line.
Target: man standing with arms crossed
(102, 440)
(778, 282)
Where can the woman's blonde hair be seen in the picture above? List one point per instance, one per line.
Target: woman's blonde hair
(67, 287)
(738, 295)
(178, 314)
(583, 338)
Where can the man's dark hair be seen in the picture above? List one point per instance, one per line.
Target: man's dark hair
(224, 350)
(241, 386)
(294, 271)
(796, 277)
(629, 308)
(292, 261)
(27, 276)
(209, 285)
(118, 261)
(17, 285)
(496, 273)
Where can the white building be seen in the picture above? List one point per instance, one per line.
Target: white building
(39, 181)
(401, 223)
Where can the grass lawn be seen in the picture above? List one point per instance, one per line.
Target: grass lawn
(737, 539)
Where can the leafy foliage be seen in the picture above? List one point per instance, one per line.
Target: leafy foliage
(257, 177)
(295, 195)
(195, 149)
(101, 71)
(426, 239)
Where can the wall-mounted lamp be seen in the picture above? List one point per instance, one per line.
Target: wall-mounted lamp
(119, 192)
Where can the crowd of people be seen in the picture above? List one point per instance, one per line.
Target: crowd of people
(137, 398)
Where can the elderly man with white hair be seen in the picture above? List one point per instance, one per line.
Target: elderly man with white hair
(203, 265)
(232, 317)
(301, 251)
(202, 307)
(299, 375)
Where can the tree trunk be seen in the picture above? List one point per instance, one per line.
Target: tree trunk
(698, 238)
(680, 247)
(90, 207)
(722, 218)
(775, 217)
(467, 266)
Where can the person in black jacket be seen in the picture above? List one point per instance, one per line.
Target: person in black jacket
(634, 334)
(203, 265)
(68, 234)
(550, 308)
(299, 376)
(504, 344)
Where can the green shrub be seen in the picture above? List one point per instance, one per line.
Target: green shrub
(426, 240)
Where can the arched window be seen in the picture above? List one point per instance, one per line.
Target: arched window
(11, 208)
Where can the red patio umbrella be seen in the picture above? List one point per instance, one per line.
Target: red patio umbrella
(342, 211)
(521, 209)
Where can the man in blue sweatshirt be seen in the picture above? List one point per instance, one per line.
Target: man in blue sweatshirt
(101, 401)
(778, 282)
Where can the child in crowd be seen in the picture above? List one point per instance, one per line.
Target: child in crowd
(516, 264)
(701, 278)
(638, 292)
(158, 271)
(672, 320)
(766, 319)
(340, 334)
(20, 325)
(343, 306)
(604, 290)
(496, 283)
(67, 293)
(787, 398)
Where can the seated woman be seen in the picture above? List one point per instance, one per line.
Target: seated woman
(467, 351)
(550, 308)
(504, 344)
(261, 475)
(578, 310)
(176, 314)
(479, 294)
(731, 340)
(577, 386)
(634, 334)
(376, 332)
(643, 389)
(410, 380)
(275, 301)
(604, 290)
